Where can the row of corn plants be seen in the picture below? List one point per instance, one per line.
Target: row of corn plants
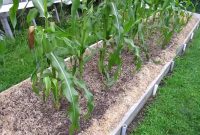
(118, 23)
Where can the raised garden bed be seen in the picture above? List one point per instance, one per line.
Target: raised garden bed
(175, 109)
(21, 112)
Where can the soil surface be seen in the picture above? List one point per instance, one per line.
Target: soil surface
(23, 113)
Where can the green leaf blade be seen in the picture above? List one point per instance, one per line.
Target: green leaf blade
(13, 13)
(68, 90)
(32, 15)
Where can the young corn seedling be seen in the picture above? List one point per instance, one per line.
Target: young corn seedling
(172, 14)
(112, 43)
(82, 31)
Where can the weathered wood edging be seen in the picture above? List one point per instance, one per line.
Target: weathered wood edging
(135, 109)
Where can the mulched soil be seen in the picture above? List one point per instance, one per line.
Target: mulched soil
(23, 113)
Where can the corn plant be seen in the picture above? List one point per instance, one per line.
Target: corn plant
(108, 15)
(170, 15)
(57, 80)
(128, 25)
(81, 35)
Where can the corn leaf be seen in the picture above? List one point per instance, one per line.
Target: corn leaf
(166, 3)
(68, 90)
(88, 95)
(41, 6)
(136, 52)
(117, 22)
(47, 90)
(13, 13)
(55, 91)
(32, 15)
(75, 6)
(34, 80)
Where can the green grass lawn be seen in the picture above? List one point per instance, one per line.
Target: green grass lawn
(18, 62)
(176, 109)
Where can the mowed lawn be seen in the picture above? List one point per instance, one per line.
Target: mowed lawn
(176, 109)
(18, 62)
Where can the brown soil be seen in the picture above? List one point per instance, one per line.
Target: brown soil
(23, 113)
